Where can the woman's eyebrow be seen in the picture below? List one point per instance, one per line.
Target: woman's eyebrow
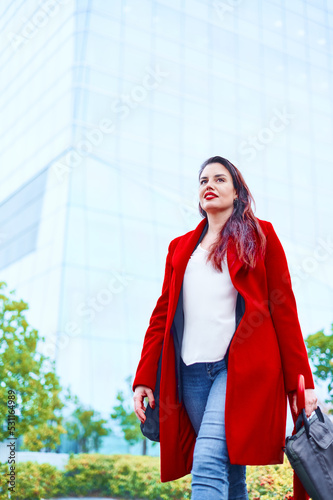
(216, 175)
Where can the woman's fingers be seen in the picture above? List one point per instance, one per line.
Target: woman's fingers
(310, 401)
(294, 408)
(151, 399)
(139, 408)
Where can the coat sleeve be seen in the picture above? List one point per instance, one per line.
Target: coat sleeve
(283, 309)
(147, 368)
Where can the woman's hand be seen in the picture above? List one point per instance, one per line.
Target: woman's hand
(310, 402)
(141, 391)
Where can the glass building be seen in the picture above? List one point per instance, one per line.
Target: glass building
(108, 108)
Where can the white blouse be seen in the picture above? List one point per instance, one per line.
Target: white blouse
(209, 303)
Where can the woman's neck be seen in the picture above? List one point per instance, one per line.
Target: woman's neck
(216, 222)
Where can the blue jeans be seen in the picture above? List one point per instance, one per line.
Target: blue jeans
(213, 477)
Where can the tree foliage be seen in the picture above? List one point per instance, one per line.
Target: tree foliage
(320, 350)
(86, 428)
(31, 375)
(124, 414)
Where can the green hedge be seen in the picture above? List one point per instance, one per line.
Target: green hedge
(33, 481)
(128, 476)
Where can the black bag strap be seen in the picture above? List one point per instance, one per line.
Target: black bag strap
(302, 419)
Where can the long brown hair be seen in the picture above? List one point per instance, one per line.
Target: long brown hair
(242, 226)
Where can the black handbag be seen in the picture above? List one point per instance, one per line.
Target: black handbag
(310, 453)
(150, 428)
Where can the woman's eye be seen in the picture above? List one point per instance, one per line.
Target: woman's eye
(218, 179)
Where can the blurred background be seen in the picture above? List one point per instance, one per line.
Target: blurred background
(108, 109)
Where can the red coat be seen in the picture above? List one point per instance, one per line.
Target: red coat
(266, 355)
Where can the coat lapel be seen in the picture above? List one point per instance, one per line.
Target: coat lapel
(185, 248)
(234, 263)
(188, 244)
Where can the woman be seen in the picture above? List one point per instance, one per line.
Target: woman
(227, 328)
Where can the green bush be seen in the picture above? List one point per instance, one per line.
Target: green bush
(270, 481)
(123, 476)
(129, 477)
(3, 482)
(33, 481)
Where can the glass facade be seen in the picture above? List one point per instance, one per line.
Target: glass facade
(108, 109)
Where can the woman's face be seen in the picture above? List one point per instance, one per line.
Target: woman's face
(216, 179)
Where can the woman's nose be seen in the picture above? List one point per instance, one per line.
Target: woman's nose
(208, 185)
